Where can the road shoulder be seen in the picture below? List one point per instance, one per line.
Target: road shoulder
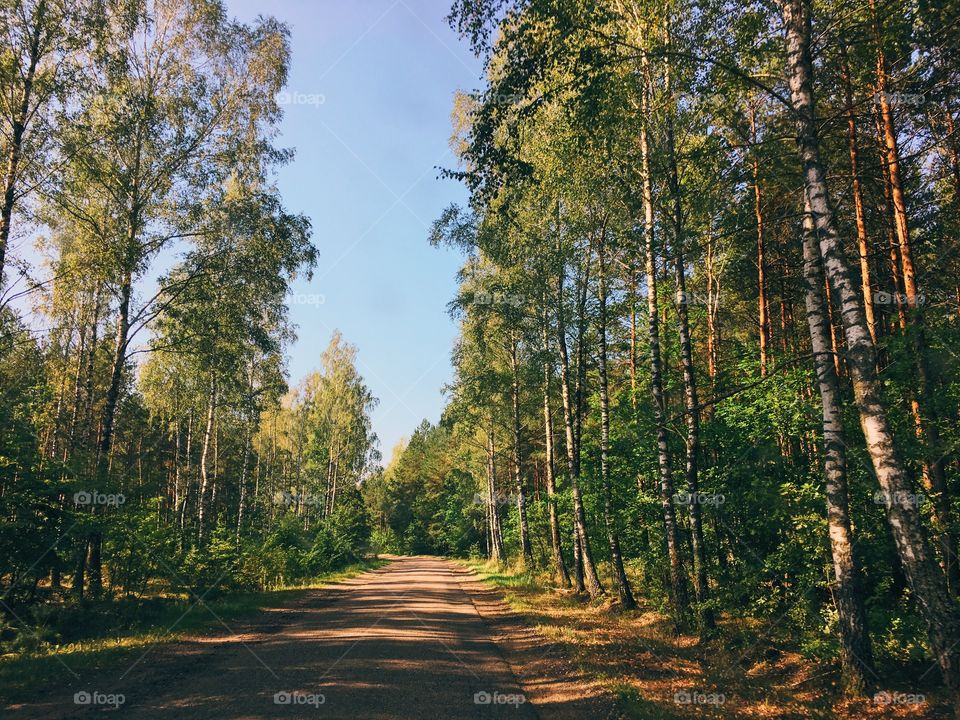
(551, 681)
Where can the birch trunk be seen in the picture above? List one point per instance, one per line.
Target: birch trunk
(616, 557)
(692, 414)
(855, 653)
(204, 453)
(585, 570)
(496, 535)
(525, 548)
(678, 593)
(556, 544)
(922, 572)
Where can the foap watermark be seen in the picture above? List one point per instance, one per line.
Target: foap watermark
(287, 499)
(699, 498)
(315, 299)
(898, 497)
(885, 697)
(498, 499)
(696, 697)
(695, 298)
(499, 98)
(95, 697)
(497, 298)
(899, 98)
(717, 104)
(295, 697)
(897, 298)
(498, 698)
(287, 97)
(92, 497)
(505, 99)
(705, 99)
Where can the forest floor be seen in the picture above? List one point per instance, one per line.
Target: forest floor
(419, 637)
(656, 674)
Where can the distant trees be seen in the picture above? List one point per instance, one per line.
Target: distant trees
(148, 438)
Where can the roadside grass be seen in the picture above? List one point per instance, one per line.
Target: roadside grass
(107, 634)
(744, 670)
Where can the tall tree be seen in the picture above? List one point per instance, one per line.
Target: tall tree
(925, 576)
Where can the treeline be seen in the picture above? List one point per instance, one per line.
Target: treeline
(709, 318)
(148, 442)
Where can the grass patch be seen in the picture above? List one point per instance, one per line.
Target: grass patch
(745, 670)
(105, 634)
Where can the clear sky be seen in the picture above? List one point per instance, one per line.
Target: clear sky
(370, 92)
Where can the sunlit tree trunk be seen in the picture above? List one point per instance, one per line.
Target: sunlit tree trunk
(855, 655)
(892, 156)
(556, 543)
(925, 577)
(863, 244)
(927, 431)
(691, 400)
(204, 455)
(763, 305)
(493, 513)
(713, 293)
(585, 571)
(525, 548)
(247, 443)
(677, 585)
(616, 557)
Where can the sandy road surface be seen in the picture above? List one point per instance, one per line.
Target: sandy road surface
(403, 641)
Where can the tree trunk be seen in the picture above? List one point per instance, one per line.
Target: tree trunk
(855, 653)
(616, 557)
(107, 423)
(585, 570)
(95, 563)
(525, 548)
(116, 376)
(934, 472)
(632, 290)
(763, 305)
(90, 372)
(496, 535)
(897, 296)
(17, 130)
(713, 291)
(953, 148)
(692, 415)
(204, 453)
(863, 244)
(678, 594)
(71, 444)
(556, 544)
(925, 577)
(892, 154)
(241, 502)
(832, 327)
(79, 570)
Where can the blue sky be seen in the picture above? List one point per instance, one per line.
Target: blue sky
(370, 92)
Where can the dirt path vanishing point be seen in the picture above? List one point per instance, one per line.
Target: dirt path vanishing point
(417, 638)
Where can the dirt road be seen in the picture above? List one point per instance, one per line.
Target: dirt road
(403, 641)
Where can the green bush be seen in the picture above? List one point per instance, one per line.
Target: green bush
(217, 567)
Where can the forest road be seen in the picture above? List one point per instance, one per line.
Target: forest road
(402, 641)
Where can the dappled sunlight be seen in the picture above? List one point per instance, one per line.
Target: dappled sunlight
(639, 658)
